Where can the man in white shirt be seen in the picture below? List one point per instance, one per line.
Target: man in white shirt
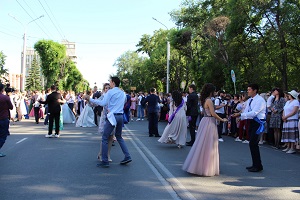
(140, 107)
(70, 98)
(255, 111)
(114, 99)
(220, 109)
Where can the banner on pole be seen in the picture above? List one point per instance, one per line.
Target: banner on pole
(233, 76)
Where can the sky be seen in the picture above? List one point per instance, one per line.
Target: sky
(102, 30)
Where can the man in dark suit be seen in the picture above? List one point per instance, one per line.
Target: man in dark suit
(192, 112)
(97, 109)
(54, 100)
(152, 107)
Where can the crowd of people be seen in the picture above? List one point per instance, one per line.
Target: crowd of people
(249, 117)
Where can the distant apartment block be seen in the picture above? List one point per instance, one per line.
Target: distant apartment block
(14, 80)
(71, 50)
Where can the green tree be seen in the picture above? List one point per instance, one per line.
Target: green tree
(58, 68)
(52, 56)
(33, 81)
(3, 71)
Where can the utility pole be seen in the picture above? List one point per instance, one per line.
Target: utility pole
(23, 62)
(168, 56)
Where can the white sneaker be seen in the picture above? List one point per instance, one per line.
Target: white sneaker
(260, 142)
(245, 142)
(131, 119)
(291, 151)
(48, 136)
(138, 119)
(57, 136)
(221, 140)
(238, 139)
(286, 149)
(142, 119)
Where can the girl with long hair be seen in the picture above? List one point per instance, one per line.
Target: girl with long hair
(203, 158)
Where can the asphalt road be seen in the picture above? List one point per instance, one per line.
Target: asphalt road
(65, 168)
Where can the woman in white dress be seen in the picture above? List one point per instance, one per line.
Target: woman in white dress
(176, 131)
(86, 118)
(13, 112)
(68, 115)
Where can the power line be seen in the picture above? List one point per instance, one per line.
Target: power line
(31, 17)
(37, 21)
(10, 34)
(55, 19)
(104, 43)
(51, 20)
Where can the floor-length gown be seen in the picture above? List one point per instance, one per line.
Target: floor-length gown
(176, 131)
(68, 115)
(86, 118)
(203, 158)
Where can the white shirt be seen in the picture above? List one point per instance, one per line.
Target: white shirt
(256, 109)
(115, 99)
(218, 103)
(140, 100)
(71, 98)
(289, 108)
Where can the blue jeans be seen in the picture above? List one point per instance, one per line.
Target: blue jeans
(4, 132)
(108, 128)
(140, 111)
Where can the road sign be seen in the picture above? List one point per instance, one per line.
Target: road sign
(233, 76)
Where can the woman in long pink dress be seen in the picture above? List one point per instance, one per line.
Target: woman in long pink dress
(203, 158)
(133, 105)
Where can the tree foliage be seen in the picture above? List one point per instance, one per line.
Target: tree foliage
(258, 39)
(3, 71)
(33, 81)
(58, 68)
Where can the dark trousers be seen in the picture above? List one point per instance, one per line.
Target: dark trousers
(4, 132)
(71, 106)
(153, 123)
(220, 125)
(192, 125)
(253, 144)
(37, 114)
(52, 117)
(47, 116)
(95, 116)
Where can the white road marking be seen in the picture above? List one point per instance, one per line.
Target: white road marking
(21, 140)
(168, 184)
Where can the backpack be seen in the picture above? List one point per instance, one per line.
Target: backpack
(143, 101)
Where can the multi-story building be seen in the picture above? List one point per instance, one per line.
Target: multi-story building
(71, 50)
(14, 80)
(31, 54)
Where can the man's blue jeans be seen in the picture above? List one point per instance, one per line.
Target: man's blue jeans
(140, 112)
(108, 128)
(4, 132)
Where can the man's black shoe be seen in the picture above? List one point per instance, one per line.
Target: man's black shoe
(125, 161)
(102, 164)
(254, 169)
(249, 167)
(157, 135)
(189, 144)
(150, 135)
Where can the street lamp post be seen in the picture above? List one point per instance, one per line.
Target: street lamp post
(168, 57)
(23, 64)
